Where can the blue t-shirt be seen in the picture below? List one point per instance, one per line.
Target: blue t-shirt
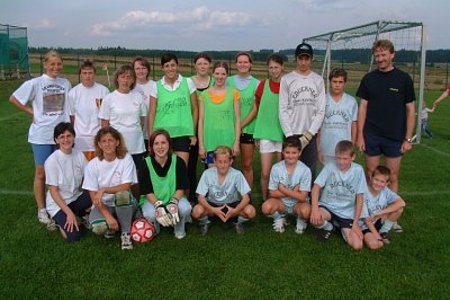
(301, 177)
(378, 202)
(337, 123)
(230, 191)
(340, 189)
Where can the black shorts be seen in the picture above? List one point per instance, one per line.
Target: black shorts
(181, 144)
(377, 225)
(246, 138)
(233, 205)
(339, 222)
(377, 145)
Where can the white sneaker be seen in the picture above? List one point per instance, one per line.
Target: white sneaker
(43, 216)
(180, 235)
(300, 227)
(278, 225)
(397, 228)
(126, 241)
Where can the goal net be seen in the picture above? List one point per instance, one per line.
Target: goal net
(351, 49)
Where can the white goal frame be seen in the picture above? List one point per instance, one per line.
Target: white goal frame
(378, 30)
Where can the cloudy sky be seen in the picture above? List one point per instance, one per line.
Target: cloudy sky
(210, 24)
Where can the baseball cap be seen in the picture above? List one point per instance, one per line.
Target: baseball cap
(304, 49)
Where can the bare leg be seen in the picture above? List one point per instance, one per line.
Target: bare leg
(39, 186)
(371, 163)
(266, 166)
(247, 162)
(394, 165)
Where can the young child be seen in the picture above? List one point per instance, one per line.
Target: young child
(223, 192)
(290, 182)
(341, 187)
(424, 121)
(341, 114)
(384, 209)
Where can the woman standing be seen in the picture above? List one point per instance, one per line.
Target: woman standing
(173, 107)
(108, 178)
(64, 171)
(219, 117)
(246, 84)
(267, 126)
(162, 178)
(48, 95)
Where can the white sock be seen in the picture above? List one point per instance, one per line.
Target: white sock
(242, 219)
(387, 225)
(276, 215)
(326, 226)
(302, 222)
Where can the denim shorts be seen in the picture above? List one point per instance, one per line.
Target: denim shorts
(41, 152)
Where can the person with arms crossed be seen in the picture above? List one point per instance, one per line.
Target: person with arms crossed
(48, 95)
(85, 101)
(302, 105)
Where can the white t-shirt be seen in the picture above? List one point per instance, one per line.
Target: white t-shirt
(337, 123)
(84, 105)
(102, 173)
(124, 112)
(230, 191)
(145, 90)
(50, 102)
(301, 177)
(190, 83)
(66, 172)
(302, 103)
(340, 189)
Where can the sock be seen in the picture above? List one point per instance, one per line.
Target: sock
(241, 219)
(204, 220)
(326, 226)
(387, 225)
(302, 222)
(276, 215)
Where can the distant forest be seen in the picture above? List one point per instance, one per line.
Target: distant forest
(345, 56)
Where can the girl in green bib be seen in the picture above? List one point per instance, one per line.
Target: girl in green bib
(163, 179)
(246, 84)
(267, 125)
(219, 117)
(173, 107)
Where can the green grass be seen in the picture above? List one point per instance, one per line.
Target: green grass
(261, 264)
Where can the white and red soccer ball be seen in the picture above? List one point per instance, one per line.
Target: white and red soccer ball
(142, 231)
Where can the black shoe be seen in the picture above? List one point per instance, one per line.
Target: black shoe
(203, 228)
(324, 235)
(386, 237)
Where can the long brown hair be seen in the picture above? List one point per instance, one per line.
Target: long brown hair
(152, 138)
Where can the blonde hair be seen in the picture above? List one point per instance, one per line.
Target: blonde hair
(223, 150)
(52, 54)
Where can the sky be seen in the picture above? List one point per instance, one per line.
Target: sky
(198, 25)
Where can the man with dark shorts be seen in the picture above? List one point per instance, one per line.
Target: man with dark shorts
(387, 111)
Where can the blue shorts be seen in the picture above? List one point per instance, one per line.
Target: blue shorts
(377, 145)
(42, 152)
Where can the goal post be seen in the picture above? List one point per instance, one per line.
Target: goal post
(351, 49)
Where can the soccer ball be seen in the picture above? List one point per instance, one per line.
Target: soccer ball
(142, 231)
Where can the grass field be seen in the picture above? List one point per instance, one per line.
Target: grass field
(261, 264)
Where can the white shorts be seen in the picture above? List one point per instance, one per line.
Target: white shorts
(268, 146)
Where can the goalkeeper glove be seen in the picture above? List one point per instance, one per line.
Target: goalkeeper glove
(304, 139)
(161, 215)
(172, 208)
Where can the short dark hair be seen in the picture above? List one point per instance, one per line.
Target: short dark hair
(338, 72)
(166, 57)
(203, 55)
(292, 141)
(243, 53)
(60, 129)
(382, 170)
(345, 146)
(87, 64)
(275, 58)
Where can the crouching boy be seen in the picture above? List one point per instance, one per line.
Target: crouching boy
(289, 185)
(384, 209)
(343, 185)
(223, 192)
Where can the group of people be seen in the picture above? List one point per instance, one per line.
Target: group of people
(107, 157)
